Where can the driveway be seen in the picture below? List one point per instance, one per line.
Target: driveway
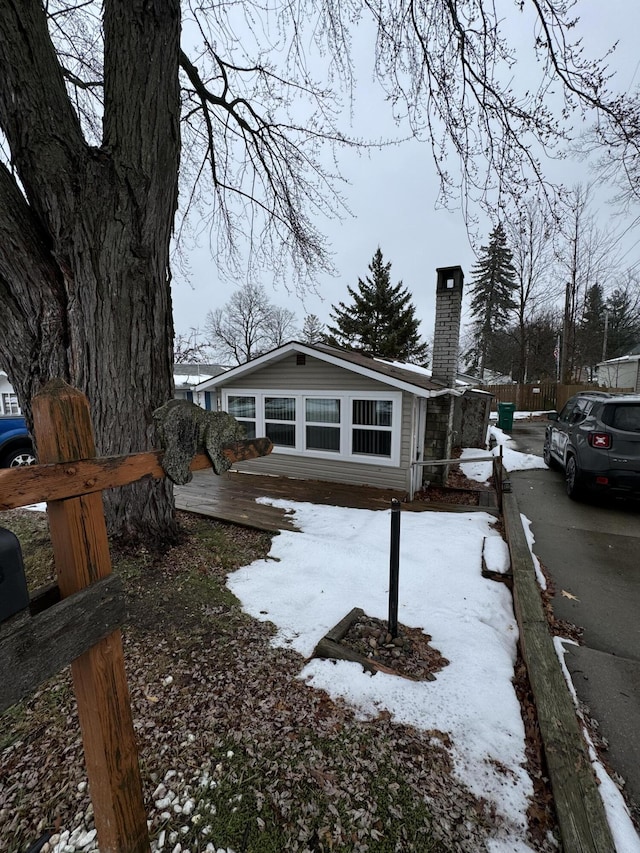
(592, 552)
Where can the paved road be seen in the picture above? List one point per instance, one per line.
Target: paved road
(592, 552)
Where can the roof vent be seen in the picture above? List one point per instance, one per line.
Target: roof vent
(301, 358)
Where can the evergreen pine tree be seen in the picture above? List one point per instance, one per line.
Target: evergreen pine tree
(590, 332)
(492, 298)
(623, 309)
(381, 320)
(312, 330)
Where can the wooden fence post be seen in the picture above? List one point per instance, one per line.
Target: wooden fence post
(64, 433)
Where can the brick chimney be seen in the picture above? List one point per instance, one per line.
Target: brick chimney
(446, 336)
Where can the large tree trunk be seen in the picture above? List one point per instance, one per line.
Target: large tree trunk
(84, 250)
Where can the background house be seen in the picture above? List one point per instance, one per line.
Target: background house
(187, 376)
(344, 416)
(623, 372)
(8, 398)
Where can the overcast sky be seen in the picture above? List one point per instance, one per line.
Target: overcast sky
(392, 196)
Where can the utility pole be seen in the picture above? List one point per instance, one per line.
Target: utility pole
(606, 332)
(563, 372)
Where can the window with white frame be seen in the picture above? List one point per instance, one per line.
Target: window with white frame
(280, 420)
(322, 424)
(372, 427)
(243, 409)
(358, 427)
(10, 404)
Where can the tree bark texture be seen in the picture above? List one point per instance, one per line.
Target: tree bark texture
(85, 231)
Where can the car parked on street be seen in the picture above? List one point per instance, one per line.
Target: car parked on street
(595, 439)
(16, 447)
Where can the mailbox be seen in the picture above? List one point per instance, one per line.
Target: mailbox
(14, 595)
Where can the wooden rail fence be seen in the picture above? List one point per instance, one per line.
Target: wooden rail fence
(82, 627)
(497, 468)
(541, 396)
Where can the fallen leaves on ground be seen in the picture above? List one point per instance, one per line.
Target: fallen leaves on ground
(235, 750)
(569, 595)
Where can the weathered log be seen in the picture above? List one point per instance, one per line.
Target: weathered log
(327, 648)
(33, 649)
(339, 630)
(581, 815)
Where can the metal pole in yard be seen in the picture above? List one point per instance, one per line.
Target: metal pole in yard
(394, 567)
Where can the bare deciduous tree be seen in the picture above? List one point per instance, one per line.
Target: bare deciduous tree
(616, 138)
(101, 109)
(584, 257)
(248, 325)
(280, 326)
(187, 349)
(530, 233)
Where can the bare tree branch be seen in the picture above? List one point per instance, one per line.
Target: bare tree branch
(42, 114)
(248, 325)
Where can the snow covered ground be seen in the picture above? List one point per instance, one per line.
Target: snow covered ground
(341, 560)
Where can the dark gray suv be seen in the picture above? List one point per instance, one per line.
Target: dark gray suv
(596, 440)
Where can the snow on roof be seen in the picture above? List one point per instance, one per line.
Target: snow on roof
(622, 358)
(415, 368)
(188, 375)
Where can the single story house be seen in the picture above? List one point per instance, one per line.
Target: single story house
(623, 372)
(342, 416)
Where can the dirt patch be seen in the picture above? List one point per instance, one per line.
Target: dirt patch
(409, 654)
(458, 490)
(448, 495)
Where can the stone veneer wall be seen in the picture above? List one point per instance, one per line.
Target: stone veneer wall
(437, 440)
(471, 419)
(446, 335)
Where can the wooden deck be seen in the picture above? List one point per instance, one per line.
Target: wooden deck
(233, 497)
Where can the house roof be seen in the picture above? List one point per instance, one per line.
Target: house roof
(189, 375)
(405, 377)
(461, 378)
(634, 355)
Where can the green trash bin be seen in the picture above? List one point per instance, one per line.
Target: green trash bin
(505, 416)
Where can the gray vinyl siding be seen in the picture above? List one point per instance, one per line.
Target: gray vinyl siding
(316, 375)
(619, 375)
(307, 468)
